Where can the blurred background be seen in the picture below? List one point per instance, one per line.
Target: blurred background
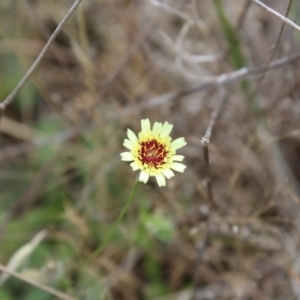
(62, 183)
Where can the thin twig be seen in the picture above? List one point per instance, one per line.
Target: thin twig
(12, 95)
(275, 13)
(205, 143)
(242, 17)
(43, 287)
(260, 81)
(200, 249)
(218, 81)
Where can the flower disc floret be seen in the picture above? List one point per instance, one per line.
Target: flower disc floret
(153, 152)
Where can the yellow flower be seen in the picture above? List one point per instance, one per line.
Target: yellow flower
(153, 152)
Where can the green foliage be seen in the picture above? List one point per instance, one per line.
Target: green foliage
(232, 37)
(154, 272)
(4, 295)
(236, 53)
(158, 227)
(36, 293)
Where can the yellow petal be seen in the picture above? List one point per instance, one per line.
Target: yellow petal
(126, 156)
(177, 157)
(161, 180)
(178, 167)
(157, 128)
(131, 135)
(144, 176)
(178, 143)
(145, 124)
(168, 173)
(166, 129)
(128, 144)
(134, 166)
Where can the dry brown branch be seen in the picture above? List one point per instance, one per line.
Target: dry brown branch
(201, 244)
(221, 80)
(205, 143)
(242, 17)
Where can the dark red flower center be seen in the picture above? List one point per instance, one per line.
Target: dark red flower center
(153, 153)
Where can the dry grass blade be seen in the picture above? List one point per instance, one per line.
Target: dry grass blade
(43, 287)
(22, 254)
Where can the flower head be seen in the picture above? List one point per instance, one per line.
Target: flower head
(153, 152)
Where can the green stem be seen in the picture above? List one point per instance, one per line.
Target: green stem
(117, 222)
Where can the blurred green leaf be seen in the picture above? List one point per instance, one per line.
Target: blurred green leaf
(158, 226)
